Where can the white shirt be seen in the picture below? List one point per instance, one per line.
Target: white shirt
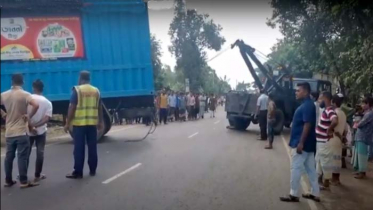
(45, 109)
(263, 102)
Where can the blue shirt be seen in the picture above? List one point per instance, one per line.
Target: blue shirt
(172, 101)
(306, 113)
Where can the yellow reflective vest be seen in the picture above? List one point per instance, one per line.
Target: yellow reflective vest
(88, 104)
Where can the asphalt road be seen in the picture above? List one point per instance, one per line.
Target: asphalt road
(197, 165)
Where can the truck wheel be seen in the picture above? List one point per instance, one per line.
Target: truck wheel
(279, 124)
(241, 124)
(231, 123)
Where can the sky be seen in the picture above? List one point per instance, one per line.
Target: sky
(240, 19)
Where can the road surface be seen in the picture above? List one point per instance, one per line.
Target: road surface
(197, 165)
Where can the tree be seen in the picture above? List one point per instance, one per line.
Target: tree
(156, 54)
(191, 35)
(242, 86)
(329, 36)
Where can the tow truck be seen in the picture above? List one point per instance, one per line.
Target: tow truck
(241, 105)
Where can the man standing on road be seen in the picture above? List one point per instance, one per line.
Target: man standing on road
(324, 134)
(271, 120)
(172, 104)
(303, 144)
(86, 117)
(262, 112)
(163, 106)
(15, 102)
(38, 127)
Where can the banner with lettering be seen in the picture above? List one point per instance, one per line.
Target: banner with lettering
(35, 38)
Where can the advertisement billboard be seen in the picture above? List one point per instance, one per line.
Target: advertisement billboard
(33, 38)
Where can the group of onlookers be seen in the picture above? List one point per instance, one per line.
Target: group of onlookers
(320, 132)
(26, 116)
(181, 106)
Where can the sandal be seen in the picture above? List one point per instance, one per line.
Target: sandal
(360, 176)
(10, 184)
(311, 197)
(42, 177)
(28, 185)
(323, 188)
(289, 198)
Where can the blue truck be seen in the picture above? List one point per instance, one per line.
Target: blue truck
(115, 47)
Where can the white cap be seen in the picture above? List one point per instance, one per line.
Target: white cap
(340, 95)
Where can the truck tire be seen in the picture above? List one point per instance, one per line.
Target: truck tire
(231, 123)
(279, 124)
(241, 124)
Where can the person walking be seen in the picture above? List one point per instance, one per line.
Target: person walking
(363, 138)
(262, 112)
(85, 114)
(16, 102)
(202, 106)
(38, 127)
(163, 106)
(271, 120)
(303, 144)
(212, 105)
(324, 134)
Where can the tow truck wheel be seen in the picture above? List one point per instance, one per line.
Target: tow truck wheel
(279, 124)
(241, 124)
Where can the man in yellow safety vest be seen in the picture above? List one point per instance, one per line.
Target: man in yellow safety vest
(85, 115)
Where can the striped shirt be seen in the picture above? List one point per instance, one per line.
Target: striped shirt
(324, 123)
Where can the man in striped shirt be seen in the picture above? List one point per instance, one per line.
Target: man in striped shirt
(324, 132)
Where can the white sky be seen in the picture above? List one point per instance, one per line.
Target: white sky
(240, 20)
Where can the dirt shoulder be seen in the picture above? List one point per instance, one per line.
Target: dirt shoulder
(53, 133)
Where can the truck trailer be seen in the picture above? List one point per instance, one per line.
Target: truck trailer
(54, 40)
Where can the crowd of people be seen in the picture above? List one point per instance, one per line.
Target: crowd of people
(320, 134)
(181, 106)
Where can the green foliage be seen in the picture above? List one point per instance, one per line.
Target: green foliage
(191, 35)
(328, 36)
(242, 86)
(156, 54)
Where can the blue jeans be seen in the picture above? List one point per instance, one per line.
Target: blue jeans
(306, 161)
(81, 135)
(21, 144)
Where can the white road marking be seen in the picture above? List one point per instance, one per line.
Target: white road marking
(193, 135)
(121, 174)
(217, 122)
(303, 183)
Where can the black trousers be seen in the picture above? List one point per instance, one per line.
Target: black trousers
(263, 124)
(39, 141)
(163, 116)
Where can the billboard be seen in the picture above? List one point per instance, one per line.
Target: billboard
(33, 38)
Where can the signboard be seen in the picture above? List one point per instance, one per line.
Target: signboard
(41, 38)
